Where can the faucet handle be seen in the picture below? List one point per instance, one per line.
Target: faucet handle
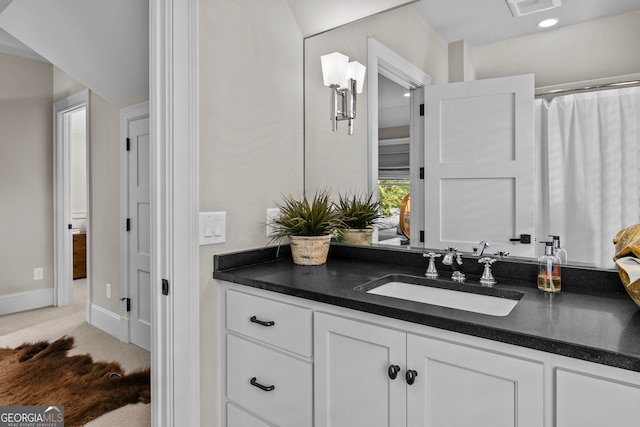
(431, 255)
(487, 278)
(431, 273)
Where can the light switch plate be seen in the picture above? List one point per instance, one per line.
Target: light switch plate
(213, 228)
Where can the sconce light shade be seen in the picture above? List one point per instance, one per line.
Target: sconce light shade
(356, 71)
(334, 69)
(346, 79)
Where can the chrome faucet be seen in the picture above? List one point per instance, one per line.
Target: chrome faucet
(482, 246)
(448, 259)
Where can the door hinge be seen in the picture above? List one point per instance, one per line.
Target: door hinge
(165, 287)
(421, 173)
(421, 236)
(128, 144)
(422, 109)
(128, 224)
(128, 303)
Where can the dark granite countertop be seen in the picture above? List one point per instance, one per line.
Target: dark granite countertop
(592, 318)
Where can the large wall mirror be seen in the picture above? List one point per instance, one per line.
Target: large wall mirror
(589, 53)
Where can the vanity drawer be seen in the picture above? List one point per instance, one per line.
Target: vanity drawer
(285, 398)
(283, 325)
(238, 418)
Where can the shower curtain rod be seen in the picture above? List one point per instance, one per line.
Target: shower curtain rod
(590, 88)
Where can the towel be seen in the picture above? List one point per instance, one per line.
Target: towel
(631, 266)
(627, 259)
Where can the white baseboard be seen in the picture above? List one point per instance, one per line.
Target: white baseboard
(22, 301)
(110, 322)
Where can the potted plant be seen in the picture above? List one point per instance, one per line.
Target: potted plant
(308, 225)
(359, 212)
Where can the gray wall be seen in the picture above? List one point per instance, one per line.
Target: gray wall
(251, 140)
(591, 50)
(26, 170)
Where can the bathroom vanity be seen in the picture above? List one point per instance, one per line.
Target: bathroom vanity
(309, 346)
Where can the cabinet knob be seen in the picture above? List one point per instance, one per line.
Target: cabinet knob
(411, 376)
(393, 371)
(254, 319)
(254, 382)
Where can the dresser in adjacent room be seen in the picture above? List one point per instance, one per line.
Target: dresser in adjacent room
(79, 256)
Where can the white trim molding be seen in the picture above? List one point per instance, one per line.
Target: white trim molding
(382, 60)
(62, 251)
(175, 336)
(22, 301)
(107, 321)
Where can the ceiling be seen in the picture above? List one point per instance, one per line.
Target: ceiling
(480, 22)
(102, 44)
(315, 16)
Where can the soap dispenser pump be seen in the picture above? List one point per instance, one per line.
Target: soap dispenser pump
(549, 270)
(557, 250)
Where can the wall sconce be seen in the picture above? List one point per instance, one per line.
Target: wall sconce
(346, 79)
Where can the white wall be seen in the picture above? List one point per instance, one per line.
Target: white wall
(336, 160)
(592, 50)
(26, 171)
(251, 140)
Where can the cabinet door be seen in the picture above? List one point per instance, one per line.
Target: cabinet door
(458, 386)
(352, 383)
(588, 401)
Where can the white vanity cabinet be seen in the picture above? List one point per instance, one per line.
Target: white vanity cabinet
(292, 362)
(439, 383)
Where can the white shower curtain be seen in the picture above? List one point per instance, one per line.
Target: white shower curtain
(589, 159)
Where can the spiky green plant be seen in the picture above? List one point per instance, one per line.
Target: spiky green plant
(358, 210)
(301, 218)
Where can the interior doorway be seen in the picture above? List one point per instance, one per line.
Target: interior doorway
(384, 63)
(71, 195)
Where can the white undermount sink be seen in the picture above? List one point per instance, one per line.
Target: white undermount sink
(460, 296)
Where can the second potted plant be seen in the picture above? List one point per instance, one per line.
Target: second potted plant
(308, 225)
(359, 212)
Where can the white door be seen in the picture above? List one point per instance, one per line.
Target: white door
(351, 382)
(139, 231)
(479, 164)
(459, 386)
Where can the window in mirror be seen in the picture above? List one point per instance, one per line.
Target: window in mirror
(393, 158)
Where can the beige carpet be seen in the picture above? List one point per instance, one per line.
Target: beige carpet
(52, 323)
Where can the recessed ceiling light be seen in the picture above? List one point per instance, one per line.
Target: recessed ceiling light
(407, 95)
(548, 23)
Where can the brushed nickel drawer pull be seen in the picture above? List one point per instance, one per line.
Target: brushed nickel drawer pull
(254, 319)
(254, 382)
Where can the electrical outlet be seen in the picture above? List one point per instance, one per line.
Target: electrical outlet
(272, 213)
(38, 273)
(108, 291)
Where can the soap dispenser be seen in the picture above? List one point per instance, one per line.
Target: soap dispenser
(557, 250)
(549, 270)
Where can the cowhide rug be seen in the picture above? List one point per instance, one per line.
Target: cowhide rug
(43, 374)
